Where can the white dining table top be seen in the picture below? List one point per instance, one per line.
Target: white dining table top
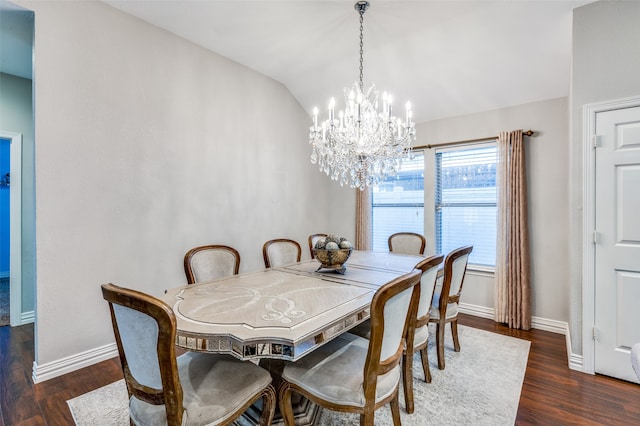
(284, 312)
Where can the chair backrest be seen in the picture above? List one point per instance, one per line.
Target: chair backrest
(206, 263)
(280, 252)
(429, 268)
(407, 243)
(393, 309)
(145, 331)
(455, 267)
(313, 238)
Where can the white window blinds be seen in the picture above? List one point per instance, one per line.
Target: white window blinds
(398, 203)
(466, 201)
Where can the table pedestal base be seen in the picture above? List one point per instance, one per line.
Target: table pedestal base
(305, 412)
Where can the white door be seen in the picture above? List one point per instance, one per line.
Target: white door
(617, 241)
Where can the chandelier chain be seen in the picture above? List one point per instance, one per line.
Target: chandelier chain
(361, 49)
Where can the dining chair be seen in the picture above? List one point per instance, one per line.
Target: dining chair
(407, 243)
(280, 252)
(207, 263)
(313, 239)
(192, 389)
(429, 268)
(444, 308)
(353, 374)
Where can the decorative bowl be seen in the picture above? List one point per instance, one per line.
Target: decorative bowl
(332, 259)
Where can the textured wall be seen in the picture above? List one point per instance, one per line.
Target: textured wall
(148, 145)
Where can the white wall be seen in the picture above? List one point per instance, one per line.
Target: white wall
(146, 146)
(548, 193)
(16, 115)
(606, 66)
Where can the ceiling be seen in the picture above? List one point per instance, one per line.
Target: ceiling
(447, 57)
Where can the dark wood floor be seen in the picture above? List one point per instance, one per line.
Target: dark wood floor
(551, 394)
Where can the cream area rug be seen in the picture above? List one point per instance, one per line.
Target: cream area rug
(480, 386)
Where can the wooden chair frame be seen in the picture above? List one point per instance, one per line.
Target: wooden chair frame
(265, 249)
(445, 299)
(374, 366)
(407, 374)
(310, 240)
(423, 240)
(171, 394)
(188, 271)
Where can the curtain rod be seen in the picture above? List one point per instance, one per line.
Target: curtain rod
(526, 133)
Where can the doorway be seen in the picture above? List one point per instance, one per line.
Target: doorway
(14, 186)
(611, 263)
(5, 179)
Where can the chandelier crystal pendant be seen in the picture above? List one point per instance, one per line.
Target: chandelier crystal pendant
(365, 142)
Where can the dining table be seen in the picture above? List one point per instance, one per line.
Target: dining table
(281, 314)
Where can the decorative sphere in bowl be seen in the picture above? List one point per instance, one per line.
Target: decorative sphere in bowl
(333, 259)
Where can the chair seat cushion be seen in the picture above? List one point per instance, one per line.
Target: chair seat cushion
(214, 387)
(421, 336)
(334, 372)
(434, 313)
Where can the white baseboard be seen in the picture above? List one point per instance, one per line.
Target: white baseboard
(84, 359)
(538, 323)
(27, 317)
(553, 326)
(476, 311)
(72, 363)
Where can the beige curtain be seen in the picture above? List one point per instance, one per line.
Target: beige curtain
(512, 292)
(363, 219)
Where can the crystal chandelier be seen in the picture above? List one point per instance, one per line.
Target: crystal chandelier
(362, 144)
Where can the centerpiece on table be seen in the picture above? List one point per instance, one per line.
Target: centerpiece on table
(332, 252)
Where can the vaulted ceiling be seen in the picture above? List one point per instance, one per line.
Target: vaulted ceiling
(447, 57)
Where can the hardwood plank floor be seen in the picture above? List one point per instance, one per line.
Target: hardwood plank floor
(552, 394)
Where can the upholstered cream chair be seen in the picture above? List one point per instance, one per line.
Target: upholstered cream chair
(192, 389)
(280, 252)
(429, 268)
(407, 243)
(353, 374)
(207, 263)
(313, 239)
(444, 308)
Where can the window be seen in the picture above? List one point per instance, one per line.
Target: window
(465, 200)
(398, 203)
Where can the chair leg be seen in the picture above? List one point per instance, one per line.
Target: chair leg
(395, 410)
(366, 418)
(440, 344)
(286, 409)
(454, 333)
(424, 356)
(269, 405)
(407, 380)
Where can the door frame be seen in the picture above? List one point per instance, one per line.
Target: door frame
(15, 226)
(590, 112)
